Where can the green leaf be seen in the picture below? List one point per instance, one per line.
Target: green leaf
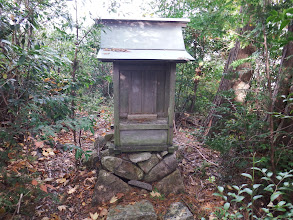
(274, 12)
(247, 175)
(257, 197)
(227, 206)
(284, 24)
(281, 203)
(218, 194)
(239, 198)
(21, 60)
(247, 190)
(255, 186)
(221, 188)
(275, 195)
(269, 188)
(269, 174)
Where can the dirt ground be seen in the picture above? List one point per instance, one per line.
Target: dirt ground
(68, 185)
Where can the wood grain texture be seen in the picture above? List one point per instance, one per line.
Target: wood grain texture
(143, 137)
(171, 102)
(116, 104)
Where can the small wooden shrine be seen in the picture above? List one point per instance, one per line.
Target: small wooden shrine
(144, 53)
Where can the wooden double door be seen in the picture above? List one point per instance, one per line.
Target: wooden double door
(143, 89)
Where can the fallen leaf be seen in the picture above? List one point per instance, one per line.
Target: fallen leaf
(45, 218)
(45, 153)
(155, 194)
(62, 207)
(72, 190)
(55, 217)
(61, 180)
(34, 182)
(113, 199)
(48, 179)
(43, 188)
(71, 209)
(39, 144)
(104, 212)
(119, 195)
(34, 153)
(83, 203)
(94, 216)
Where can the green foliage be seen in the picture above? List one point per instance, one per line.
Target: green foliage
(242, 202)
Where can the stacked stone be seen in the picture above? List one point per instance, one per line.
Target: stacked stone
(141, 170)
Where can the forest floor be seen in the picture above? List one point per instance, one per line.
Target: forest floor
(68, 185)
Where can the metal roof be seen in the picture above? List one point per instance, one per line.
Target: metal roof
(143, 39)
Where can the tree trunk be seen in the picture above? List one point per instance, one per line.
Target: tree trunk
(283, 89)
(237, 79)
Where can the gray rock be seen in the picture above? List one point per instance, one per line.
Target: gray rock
(140, 184)
(100, 143)
(139, 157)
(109, 137)
(122, 168)
(92, 161)
(178, 211)
(105, 153)
(172, 183)
(107, 186)
(164, 153)
(142, 210)
(162, 169)
(147, 165)
(111, 163)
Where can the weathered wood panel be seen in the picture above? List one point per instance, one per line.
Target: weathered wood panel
(142, 117)
(161, 84)
(143, 89)
(149, 92)
(144, 127)
(125, 85)
(135, 102)
(172, 70)
(143, 137)
(116, 104)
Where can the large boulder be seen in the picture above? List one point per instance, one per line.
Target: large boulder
(178, 211)
(122, 168)
(147, 165)
(172, 183)
(142, 210)
(139, 157)
(107, 186)
(162, 169)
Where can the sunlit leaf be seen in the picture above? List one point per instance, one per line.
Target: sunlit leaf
(34, 182)
(62, 208)
(113, 199)
(94, 216)
(275, 195)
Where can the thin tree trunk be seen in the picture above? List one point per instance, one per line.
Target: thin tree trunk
(270, 106)
(225, 85)
(73, 74)
(283, 88)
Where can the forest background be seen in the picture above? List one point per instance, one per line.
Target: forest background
(239, 86)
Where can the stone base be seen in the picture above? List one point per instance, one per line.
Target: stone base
(139, 170)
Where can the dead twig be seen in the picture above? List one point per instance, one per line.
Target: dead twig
(18, 206)
(190, 208)
(205, 157)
